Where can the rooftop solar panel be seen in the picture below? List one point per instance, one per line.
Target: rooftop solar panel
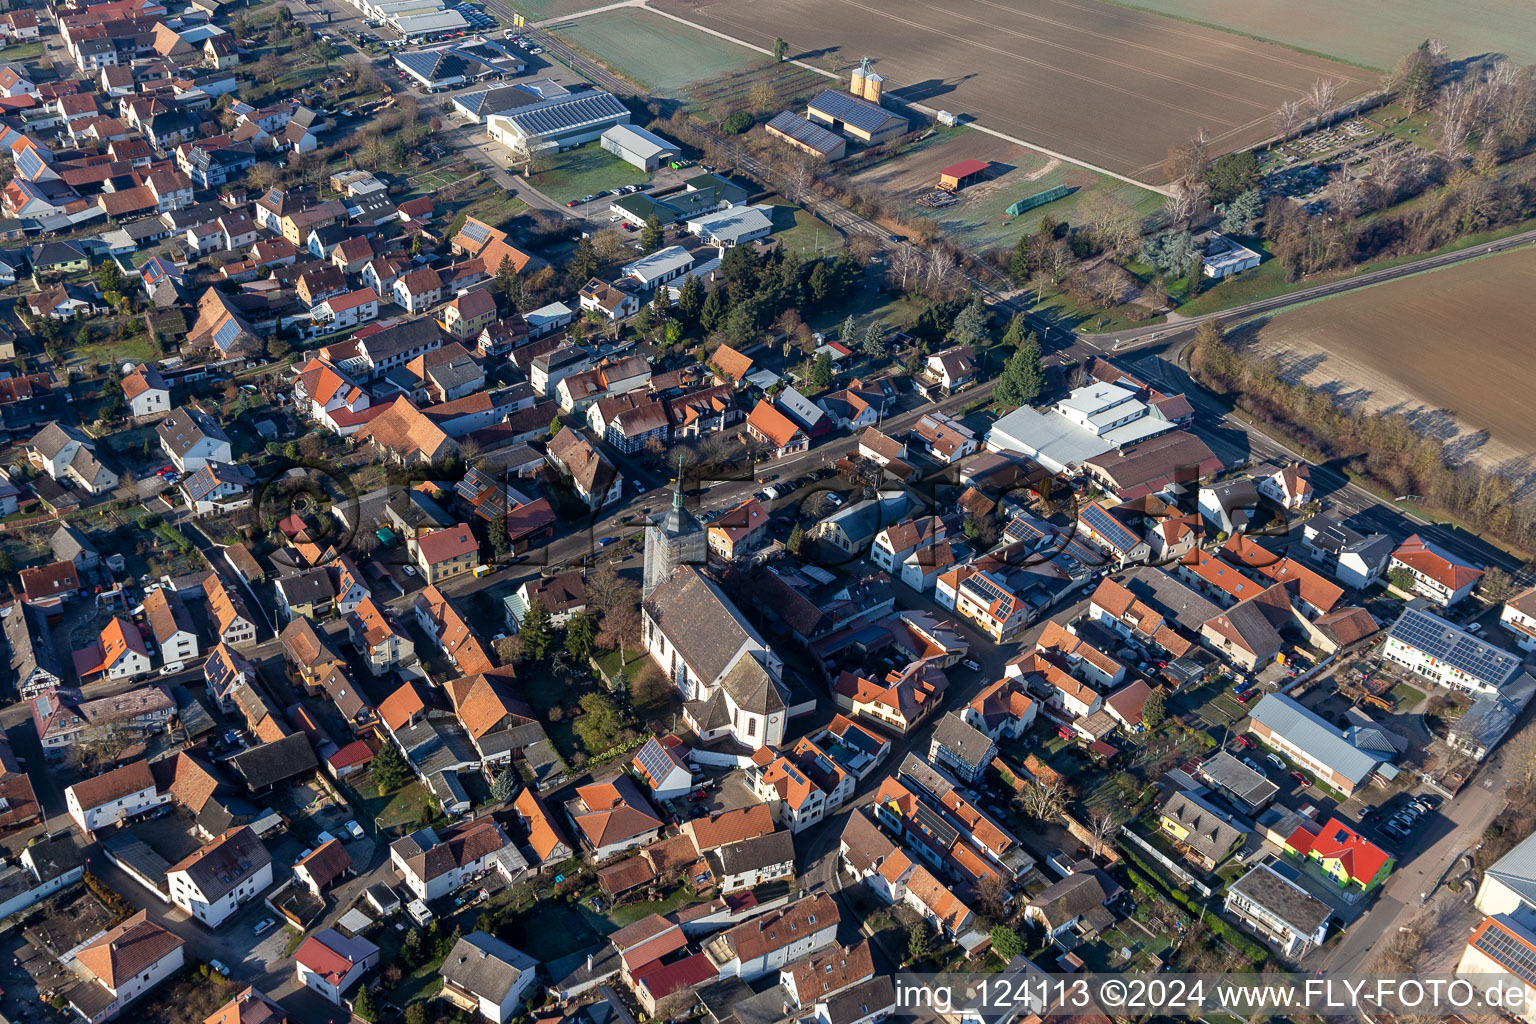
(934, 825)
(475, 232)
(226, 334)
(1460, 650)
(1108, 527)
(1508, 950)
(566, 112)
(655, 760)
(851, 110)
(805, 132)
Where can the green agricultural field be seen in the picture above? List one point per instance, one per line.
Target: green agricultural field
(538, 10)
(1373, 33)
(585, 170)
(658, 53)
(800, 231)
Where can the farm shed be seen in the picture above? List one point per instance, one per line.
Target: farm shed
(558, 123)
(856, 119)
(635, 145)
(796, 131)
(967, 172)
(1224, 257)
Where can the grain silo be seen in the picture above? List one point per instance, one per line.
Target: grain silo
(856, 83)
(873, 86)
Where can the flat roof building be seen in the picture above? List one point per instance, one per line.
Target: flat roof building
(635, 145)
(558, 123)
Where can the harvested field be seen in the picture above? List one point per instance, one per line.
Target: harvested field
(1370, 32)
(656, 52)
(979, 221)
(1109, 85)
(1443, 348)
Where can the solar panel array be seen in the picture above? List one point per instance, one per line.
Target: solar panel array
(991, 588)
(29, 163)
(1107, 526)
(568, 113)
(228, 331)
(1460, 650)
(1508, 950)
(655, 760)
(804, 132)
(934, 825)
(851, 110)
(475, 231)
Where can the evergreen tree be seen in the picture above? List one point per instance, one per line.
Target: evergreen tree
(410, 949)
(661, 305)
(780, 50)
(1006, 942)
(1018, 263)
(1154, 710)
(363, 1007)
(820, 283)
(845, 334)
(970, 327)
(579, 634)
(1242, 212)
(507, 283)
(583, 265)
(821, 370)
(501, 545)
(644, 321)
(1023, 377)
(389, 770)
(712, 315)
(919, 942)
(554, 425)
(652, 234)
(874, 340)
(796, 540)
(1195, 279)
(535, 631)
(504, 787)
(1018, 330)
(690, 300)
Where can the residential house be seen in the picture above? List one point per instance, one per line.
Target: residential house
(1437, 574)
(948, 371)
(772, 941)
(1290, 486)
(1518, 616)
(171, 625)
(960, 748)
(595, 479)
(432, 863)
(324, 865)
(444, 554)
(68, 455)
(192, 439)
(118, 653)
(1002, 710)
(35, 667)
(232, 621)
(146, 392)
(113, 797)
(747, 864)
(225, 672)
(487, 977)
(613, 817)
(899, 702)
(777, 433)
(330, 963)
(1278, 910)
(660, 764)
(1204, 834)
(215, 881)
(1077, 903)
(121, 965)
(1351, 558)
(308, 593)
(373, 631)
(944, 438)
(738, 531)
(1345, 855)
(467, 315)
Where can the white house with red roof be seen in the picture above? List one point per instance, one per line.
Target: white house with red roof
(119, 653)
(1437, 574)
(339, 312)
(330, 963)
(661, 764)
(1519, 617)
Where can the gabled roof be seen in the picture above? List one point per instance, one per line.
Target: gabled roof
(1435, 562)
(615, 811)
(127, 950)
(1360, 858)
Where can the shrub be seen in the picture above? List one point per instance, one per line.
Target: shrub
(737, 123)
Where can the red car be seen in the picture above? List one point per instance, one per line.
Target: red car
(1301, 779)
(1244, 742)
(574, 202)
(1242, 698)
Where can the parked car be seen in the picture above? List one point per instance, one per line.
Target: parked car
(1301, 779)
(173, 668)
(354, 829)
(1244, 742)
(263, 926)
(1251, 763)
(1276, 760)
(218, 966)
(1425, 803)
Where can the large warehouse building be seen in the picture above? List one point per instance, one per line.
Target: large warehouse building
(794, 130)
(558, 123)
(635, 145)
(859, 120)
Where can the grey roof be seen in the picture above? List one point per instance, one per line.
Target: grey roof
(734, 223)
(860, 1001)
(1075, 896)
(754, 854)
(1492, 715)
(1237, 498)
(1516, 870)
(751, 688)
(497, 100)
(1226, 772)
(438, 743)
(805, 132)
(563, 113)
(53, 438)
(1283, 898)
(403, 337)
(220, 870)
(269, 763)
(1300, 727)
(1211, 832)
(1475, 659)
(486, 966)
(1170, 598)
(659, 263)
(845, 107)
(964, 741)
(185, 427)
(31, 643)
(700, 622)
(308, 586)
(636, 140)
(863, 519)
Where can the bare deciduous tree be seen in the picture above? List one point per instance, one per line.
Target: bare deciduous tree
(1455, 109)
(1184, 202)
(906, 265)
(1322, 97)
(1286, 118)
(1102, 827)
(1045, 800)
(938, 271)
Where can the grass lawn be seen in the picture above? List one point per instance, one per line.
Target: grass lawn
(422, 983)
(1407, 697)
(657, 52)
(586, 170)
(632, 912)
(106, 349)
(802, 232)
(403, 806)
(22, 51)
(554, 930)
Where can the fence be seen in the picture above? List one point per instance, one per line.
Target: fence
(1168, 863)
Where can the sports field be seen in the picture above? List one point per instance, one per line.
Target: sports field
(1441, 347)
(979, 221)
(1110, 85)
(1370, 32)
(656, 52)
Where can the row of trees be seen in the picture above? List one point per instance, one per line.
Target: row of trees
(1383, 447)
